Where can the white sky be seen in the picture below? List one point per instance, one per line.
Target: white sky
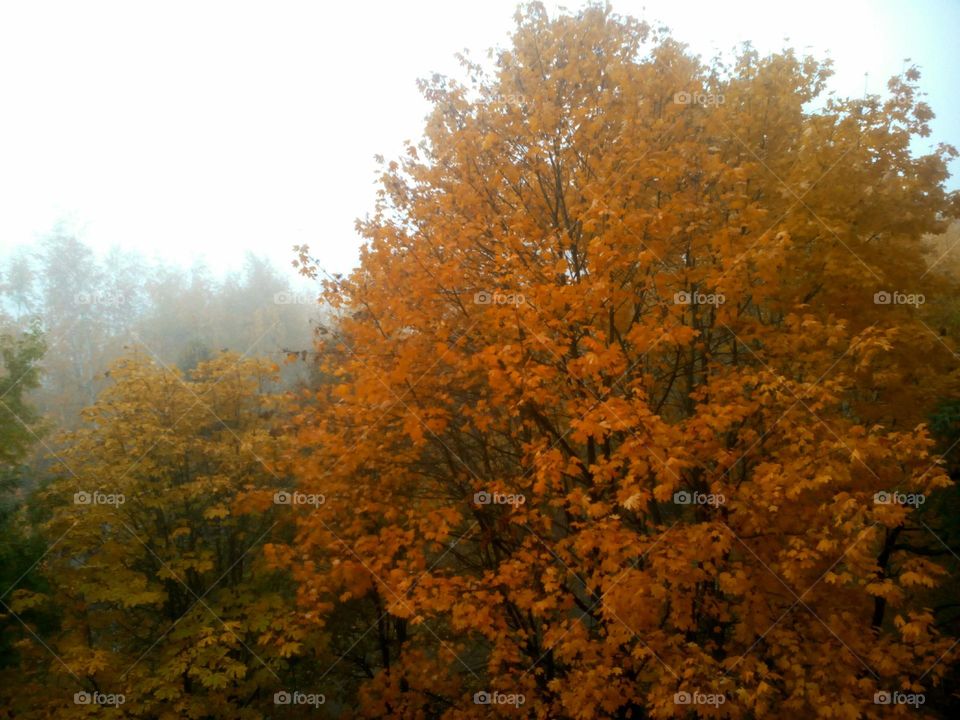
(217, 127)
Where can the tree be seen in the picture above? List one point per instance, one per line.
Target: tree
(20, 353)
(632, 380)
(74, 299)
(156, 524)
(93, 309)
(20, 428)
(18, 288)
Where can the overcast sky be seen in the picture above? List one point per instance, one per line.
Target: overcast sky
(216, 127)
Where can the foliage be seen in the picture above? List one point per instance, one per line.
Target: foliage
(521, 324)
(20, 427)
(94, 309)
(642, 403)
(20, 354)
(159, 512)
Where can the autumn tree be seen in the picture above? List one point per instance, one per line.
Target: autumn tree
(157, 518)
(943, 513)
(631, 389)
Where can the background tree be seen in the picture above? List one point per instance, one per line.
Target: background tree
(157, 519)
(18, 286)
(94, 309)
(20, 428)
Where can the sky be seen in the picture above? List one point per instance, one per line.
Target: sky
(188, 130)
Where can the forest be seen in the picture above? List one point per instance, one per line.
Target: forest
(642, 402)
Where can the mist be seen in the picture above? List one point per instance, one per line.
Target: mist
(462, 360)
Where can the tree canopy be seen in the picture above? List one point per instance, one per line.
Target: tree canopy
(635, 345)
(642, 403)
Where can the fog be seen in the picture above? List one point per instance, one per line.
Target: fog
(183, 130)
(452, 360)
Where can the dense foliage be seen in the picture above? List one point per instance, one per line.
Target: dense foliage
(641, 404)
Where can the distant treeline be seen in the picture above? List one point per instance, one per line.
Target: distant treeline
(91, 310)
